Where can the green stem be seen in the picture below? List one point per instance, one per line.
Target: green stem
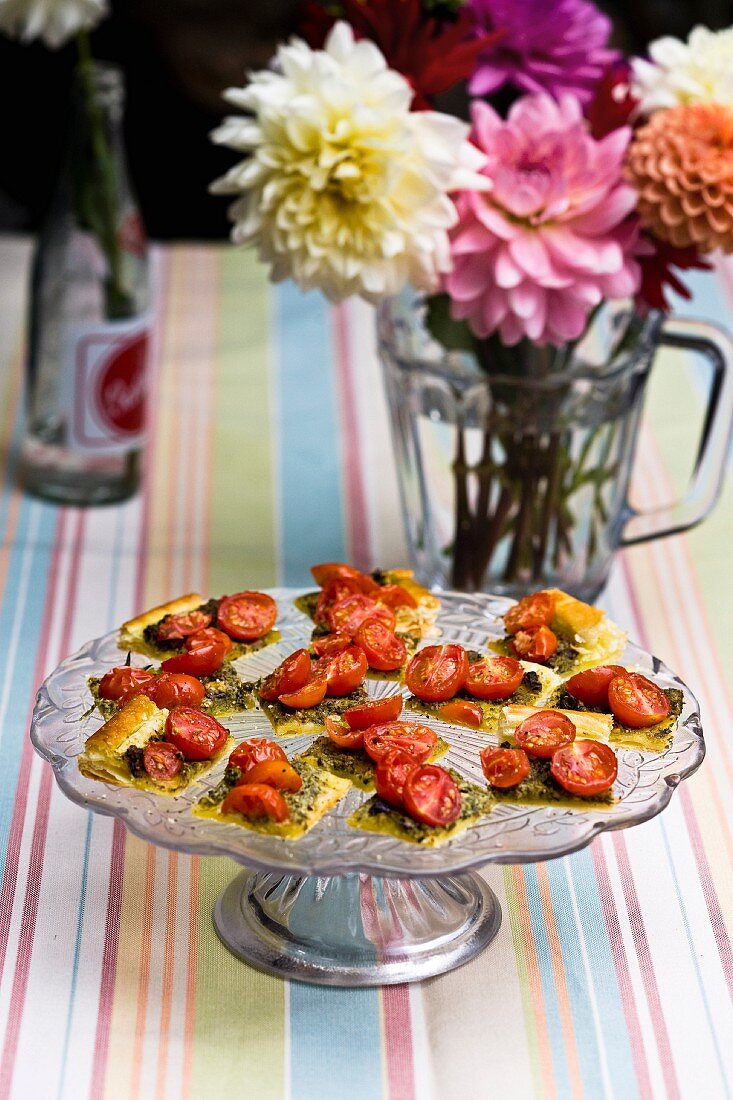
(554, 476)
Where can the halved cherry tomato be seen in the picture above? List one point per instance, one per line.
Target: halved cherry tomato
(124, 682)
(494, 678)
(331, 644)
(391, 773)
(173, 627)
(293, 674)
(205, 653)
(375, 712)
(504, 768)
(585, 768)
(334, 591)
(275, 773)
(174, 689)
(636, 701)
(394, 595)
(162, 760)
(246, 616)
(416, 740)
(254, 751)
(329, 570)
(342, 735)
(384, 650)
(544, 733)
(310, 695)
(197, 735)
(536, 646)
(437, 673)
(462, 710)
(256, 800)
(591, 686)
(530, 613)
(346, 671)
(347, 615)
(432, 796)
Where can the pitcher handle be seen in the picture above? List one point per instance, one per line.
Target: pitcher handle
(707, 476)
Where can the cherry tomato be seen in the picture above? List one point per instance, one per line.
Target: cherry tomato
(437, 673)
(197, 735)
(275, 773)
(162, 760)
(246, 616)
(536, 645)
(331, 644)
(504, 767)
(416, 740)
(462, 710)
(375, 712)
(394, 595)
(544, 733)
(334, 591)
(530, 613)
(431, 795)
(636, 701)
(390, 775)
(254, 751)
(310, 695)
(347, 615)
(343, 736)
(256, 800)
(494, 678)
(293, 674)
(585, 768)
(173, 627)
(173, 689)
(346, 671)
(384, 650)
(328, 571)
(124, 682)
(205, 653)
(591, 686)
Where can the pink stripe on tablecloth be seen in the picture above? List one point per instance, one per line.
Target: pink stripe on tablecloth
(351, 450)
(15, 838)
(38, 846)
(626, 988)
(398, 1042)
(109, 961)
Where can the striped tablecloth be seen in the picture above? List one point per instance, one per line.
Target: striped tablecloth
(612, 974)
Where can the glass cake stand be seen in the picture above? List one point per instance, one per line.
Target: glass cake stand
(340, 906)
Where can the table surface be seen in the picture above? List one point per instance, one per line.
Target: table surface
(612, 974)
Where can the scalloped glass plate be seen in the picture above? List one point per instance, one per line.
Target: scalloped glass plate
(510, 834)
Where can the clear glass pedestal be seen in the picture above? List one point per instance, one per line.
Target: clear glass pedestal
(356, 930)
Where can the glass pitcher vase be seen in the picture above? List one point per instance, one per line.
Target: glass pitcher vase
(514, 463)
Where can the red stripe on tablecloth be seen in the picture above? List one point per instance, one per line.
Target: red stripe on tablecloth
(15, 838)
(38, 845)
(626, 988)
(109, 961)
(351, 452)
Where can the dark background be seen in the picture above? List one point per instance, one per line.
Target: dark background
(177, 56)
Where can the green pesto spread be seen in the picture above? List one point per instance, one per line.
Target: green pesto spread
(353, 764)
(648, 738)
(226, 692)
(563, 660)
(301, 804)
(526, 695)
(377, 816)
(540, 788)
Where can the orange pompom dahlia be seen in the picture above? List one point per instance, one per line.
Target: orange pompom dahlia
(681, 163)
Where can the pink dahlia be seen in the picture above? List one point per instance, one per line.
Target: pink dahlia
(552, 236)
(544, 47)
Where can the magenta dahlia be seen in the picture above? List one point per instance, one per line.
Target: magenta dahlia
(552, 236)
(558, 47)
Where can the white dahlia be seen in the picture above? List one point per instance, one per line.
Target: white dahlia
(54, 21)
(699, 70)
(344, 189)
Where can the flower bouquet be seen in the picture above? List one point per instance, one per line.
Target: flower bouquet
(532, 247)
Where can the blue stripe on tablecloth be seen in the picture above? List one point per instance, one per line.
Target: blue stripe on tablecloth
(335, 1035)
(602, 974)
(310, 484)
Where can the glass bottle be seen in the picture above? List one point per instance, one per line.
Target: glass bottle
(89, 325)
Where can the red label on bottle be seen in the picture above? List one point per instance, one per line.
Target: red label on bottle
(105, 389)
